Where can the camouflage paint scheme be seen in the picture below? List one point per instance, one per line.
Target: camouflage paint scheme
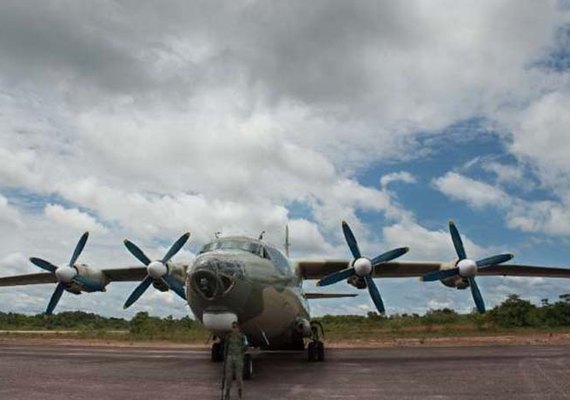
(257, 290)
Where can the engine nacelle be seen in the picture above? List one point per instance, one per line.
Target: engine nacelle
(357, 281)
(88, 280)
(457, 282)
(303, 327)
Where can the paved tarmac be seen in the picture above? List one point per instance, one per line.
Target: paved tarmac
(74, 372)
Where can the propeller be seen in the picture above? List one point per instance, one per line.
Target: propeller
(467, 268)
(156, 270)
(65, 274)
(362, 267)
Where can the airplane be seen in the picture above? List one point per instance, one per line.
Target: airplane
(250, 281)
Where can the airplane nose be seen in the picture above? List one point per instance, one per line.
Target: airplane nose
(213, 278)
(207, 283)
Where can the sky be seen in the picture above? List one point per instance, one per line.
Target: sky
(144, 120)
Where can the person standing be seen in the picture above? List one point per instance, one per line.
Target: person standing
(235, 347)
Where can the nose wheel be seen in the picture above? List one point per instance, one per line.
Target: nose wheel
(217, 352)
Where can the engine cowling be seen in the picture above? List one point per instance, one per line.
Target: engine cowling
(357, 281)
(303, 327)
(457, 282)
(89, 279)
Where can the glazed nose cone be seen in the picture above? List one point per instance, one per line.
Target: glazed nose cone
(213, 277)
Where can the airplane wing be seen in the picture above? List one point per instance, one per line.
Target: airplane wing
(318, 269)
(525, 270)
(29, 279)
(129, 274)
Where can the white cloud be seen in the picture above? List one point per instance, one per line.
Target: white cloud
(9, 215)
(507, 174)
(16, 167)
(426, 244)
(540, 216)
(478, 194)
(402, 176)
(306, 239)
(544, 216)
(73, 218)
(206, 118)
(13, 263)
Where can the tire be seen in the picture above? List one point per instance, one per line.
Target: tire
(311, 352)
(217, 352)
(320, 350)
(247, 367)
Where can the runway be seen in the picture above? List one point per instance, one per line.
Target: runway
(75, 372)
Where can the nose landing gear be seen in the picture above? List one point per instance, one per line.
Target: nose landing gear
(217, 353)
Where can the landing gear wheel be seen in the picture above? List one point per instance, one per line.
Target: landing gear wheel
(218, 352)
(316, 351)
(320, 351)
(247, 367)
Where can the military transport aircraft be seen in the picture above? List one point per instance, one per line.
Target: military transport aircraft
(253, 282)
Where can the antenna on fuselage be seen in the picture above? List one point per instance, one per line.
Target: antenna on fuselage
(287, 240)
(261, 235)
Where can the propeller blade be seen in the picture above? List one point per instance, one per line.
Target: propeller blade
(457, 242)
(476, 294)
(439, 275)
(351, 240)
(375, 294)
(390, 255)
(140, 289)
(43, 264)
(494, 260)
(55, 298)
(176, 247)
(174, 285)
(135, 251)
(336, 277)
(78, 248)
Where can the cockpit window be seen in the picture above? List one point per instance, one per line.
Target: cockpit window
(280, 261)
(234, 244)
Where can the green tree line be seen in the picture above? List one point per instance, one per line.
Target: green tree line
(513, 312)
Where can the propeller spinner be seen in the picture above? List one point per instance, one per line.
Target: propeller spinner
(362, 267)
(467, 268)
(156, 270)
(65, 274)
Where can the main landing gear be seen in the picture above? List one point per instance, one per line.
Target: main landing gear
(316, 351)
(316, 348)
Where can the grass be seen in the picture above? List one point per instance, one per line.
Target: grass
(334, 333)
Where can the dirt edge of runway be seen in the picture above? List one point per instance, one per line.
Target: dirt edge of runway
(554, 338)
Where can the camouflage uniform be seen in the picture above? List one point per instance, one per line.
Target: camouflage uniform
(235, 346)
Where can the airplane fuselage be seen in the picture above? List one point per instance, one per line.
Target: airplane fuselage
(251, 282)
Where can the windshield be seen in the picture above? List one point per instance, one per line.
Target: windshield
(230, 244)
